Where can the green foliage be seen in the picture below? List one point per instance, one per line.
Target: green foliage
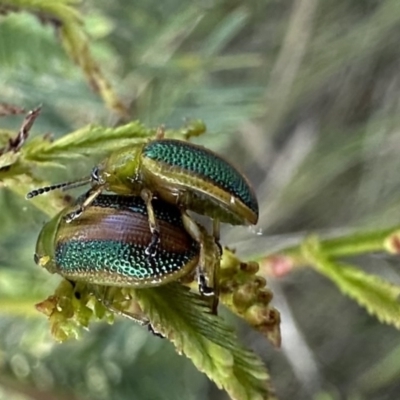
(67, 22)
(177, 314)
(305, 97)
(182, 317)
(378, 296)
(211, 345)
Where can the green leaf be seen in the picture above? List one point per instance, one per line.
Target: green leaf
(183, 317)
(93, 139)
(86, 140)
(67, 21)
(8, 159)
(379, 297)
(180, 315)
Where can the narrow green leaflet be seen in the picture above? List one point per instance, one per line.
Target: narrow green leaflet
(8, 159)
(67, 20)
(86, 141)
(183, 317)
(379, 297)
(96, 138)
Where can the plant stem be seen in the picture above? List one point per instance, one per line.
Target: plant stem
(346, 246)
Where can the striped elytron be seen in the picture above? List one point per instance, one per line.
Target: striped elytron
(107, 245)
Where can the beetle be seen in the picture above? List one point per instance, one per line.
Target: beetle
(177, 172)
(107, 246)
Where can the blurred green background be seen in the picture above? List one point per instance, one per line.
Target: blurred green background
(304, 96)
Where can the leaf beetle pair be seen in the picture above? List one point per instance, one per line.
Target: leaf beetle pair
(179, 173)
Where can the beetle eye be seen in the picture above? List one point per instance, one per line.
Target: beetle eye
(95, 174)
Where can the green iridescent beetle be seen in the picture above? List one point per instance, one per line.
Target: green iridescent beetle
(178, 172)
(107, 246)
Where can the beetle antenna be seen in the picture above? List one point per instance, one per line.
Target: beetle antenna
(63, 186)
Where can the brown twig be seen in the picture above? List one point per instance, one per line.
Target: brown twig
(9, 109)
(15, 144)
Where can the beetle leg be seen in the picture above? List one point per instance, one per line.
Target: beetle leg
(216, 229)
(151, 249)
(90, 196)
(212, 255)
(104, 295)
(209, 260)
(195, 232)
(137, 318)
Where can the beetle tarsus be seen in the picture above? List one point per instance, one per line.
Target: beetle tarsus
(204, 289)
(73, 215)
(151, 261)
(151, 249)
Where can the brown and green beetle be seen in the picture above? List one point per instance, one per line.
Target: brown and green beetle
(175, 171)
(107, 246)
